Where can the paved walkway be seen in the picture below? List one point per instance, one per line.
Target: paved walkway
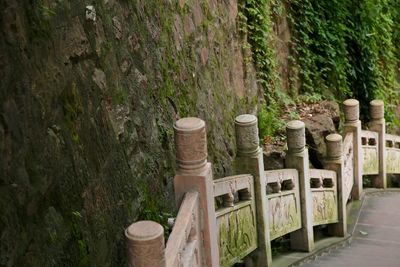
(376, 238)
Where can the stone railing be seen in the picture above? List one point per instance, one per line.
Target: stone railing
(236, 218)
(370, 150)
(324, 196)
(348, 159)
(284, 202)
(183, 244)
(233, 219)
(392, 154)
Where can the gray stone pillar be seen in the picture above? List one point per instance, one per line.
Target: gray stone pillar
(377, 124)
(195, 173)
(250, 160)
(145, 242)
(334, 162)
(353, 125)
(297, 158)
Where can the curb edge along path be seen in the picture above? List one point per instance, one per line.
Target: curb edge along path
(375, 239)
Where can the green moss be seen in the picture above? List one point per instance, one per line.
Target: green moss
(120, 96)
(237, 235)
(40, 18)
(73, 109)
(152, 209)
(78, 239)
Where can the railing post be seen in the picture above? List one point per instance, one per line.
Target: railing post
(250, 160)
(334, 162)
(353, 125)
(377, 124)
(297, 158)
(145, 242)
(195, 173)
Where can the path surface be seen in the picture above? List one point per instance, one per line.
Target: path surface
(376, 238)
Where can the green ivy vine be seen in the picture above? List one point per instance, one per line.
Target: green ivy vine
(339, 49)
(348, 48)
(255, 22)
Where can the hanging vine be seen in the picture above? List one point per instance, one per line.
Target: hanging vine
(340, 49)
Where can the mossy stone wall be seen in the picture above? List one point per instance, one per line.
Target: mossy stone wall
(86, 115)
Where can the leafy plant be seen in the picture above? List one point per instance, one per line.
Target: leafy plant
(269, 123)
(346, 48)
(339, 49)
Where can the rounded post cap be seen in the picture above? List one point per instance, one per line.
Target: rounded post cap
(245, 119)
(295, 125)
(189, 124)
(334, 138)
(351, 102)
(376, 102)
(247, 139)
(144, 231)
(377, 109)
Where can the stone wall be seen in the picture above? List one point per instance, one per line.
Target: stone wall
(87, 102)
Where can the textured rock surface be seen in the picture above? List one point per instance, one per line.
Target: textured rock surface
(318, 127)
(86, 114)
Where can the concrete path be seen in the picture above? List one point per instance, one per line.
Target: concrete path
(376, 237)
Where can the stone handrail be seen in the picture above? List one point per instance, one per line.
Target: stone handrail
(146, 239)
(369, 138)
(220, 222)
(348, 159)
(394, 141)
(320, 178)
(230, 186)
(183, 243)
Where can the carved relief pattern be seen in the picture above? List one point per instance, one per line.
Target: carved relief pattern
(237, 235)
(191, 147)
(393, 160)
(324, 207)
(247, 138)
(370, 160)
(348, 174)
(284, 215)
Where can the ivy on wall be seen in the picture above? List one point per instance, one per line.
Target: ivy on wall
(340, 49)
(255, 21)
(347, 48)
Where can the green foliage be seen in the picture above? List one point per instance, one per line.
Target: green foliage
(319, 35)
(346, 48)
(255, 21)
(339, 49)
(309, 98)
(269, 123)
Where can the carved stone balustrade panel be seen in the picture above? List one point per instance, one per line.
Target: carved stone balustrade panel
(325, 199)
(284, 202)
(236, 218)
